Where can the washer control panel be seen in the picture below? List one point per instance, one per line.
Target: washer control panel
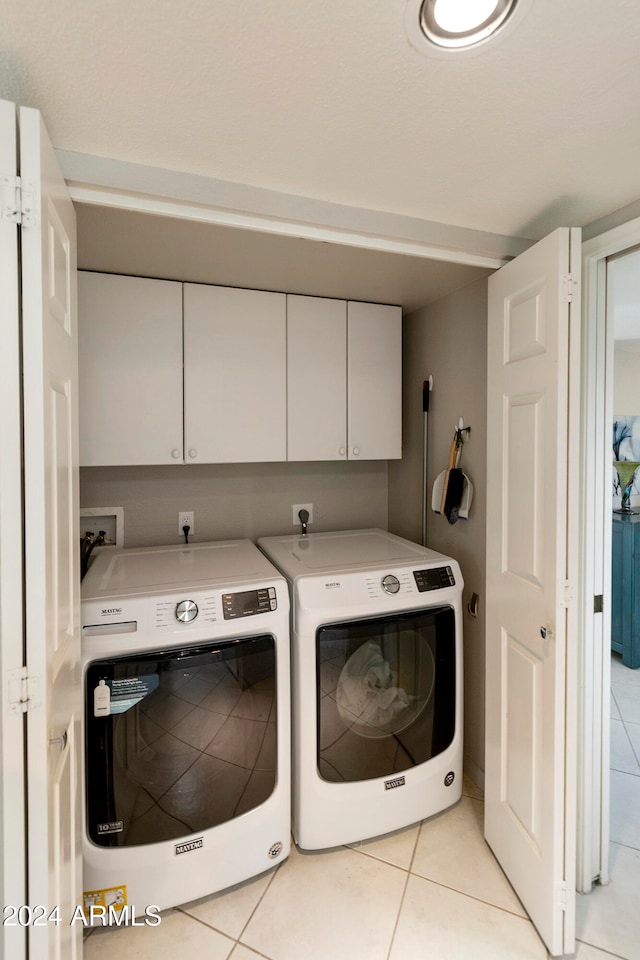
(176, 612)
(436, 578)
(248, 603)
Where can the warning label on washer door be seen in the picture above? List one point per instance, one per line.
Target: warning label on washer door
(120, 694)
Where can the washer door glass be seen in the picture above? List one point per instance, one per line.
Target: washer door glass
(179, 741)
(386, 693)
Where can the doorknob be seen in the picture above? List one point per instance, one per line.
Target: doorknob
(546, 633)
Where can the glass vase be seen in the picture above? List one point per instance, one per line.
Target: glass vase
(626, 470)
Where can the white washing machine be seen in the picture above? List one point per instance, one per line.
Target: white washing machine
(377, 682)
(186, 722)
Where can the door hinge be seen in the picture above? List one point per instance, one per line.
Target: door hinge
(568, 287)
(16, 205)
(567, 594)
(23, 690)
(561, 891)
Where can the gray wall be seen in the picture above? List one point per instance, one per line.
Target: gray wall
(448, 340)
(626, 382)
(232, 501)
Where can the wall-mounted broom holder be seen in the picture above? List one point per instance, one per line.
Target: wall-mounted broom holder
(461, 434)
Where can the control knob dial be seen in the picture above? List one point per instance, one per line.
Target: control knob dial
(186, 611)
(390, 583)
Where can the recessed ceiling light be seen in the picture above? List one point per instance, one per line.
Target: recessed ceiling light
(462, 23)
(450, 26)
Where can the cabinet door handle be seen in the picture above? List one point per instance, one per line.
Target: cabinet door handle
(193, 453)
(342, 451)
(356, 451)
(176, 454)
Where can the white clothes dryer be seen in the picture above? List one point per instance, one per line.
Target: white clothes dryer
(377, 682)
(186, 722)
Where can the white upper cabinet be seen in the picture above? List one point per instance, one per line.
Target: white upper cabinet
(316, 378)
(235, 355)
(130, 359)
(344, 380)
(176, 372)
(374, 382)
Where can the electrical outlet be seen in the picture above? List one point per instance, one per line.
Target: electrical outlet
(186, 518)
(296, 507)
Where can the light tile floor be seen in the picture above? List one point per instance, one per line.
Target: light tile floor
(430, 892)
(609, 917)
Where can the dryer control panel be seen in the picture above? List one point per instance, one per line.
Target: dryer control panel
(248, 603)
(435, 578)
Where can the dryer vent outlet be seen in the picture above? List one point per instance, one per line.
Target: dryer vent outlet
(296, 508)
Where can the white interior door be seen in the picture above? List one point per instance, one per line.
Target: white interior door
(12, 756)
(531, 637)
(52, 580)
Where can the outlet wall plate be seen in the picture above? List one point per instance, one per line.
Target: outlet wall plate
(186, 518)
(296, 507)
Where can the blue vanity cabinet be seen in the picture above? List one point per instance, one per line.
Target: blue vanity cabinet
(625, 592)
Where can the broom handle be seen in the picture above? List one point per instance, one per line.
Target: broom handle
(426, 388)
(453, 455)
(424, 480)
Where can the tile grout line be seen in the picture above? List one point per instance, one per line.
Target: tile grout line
(260, 899)
(251, 949)
(627, 846)
(633, 752)
(602, 950)
(633, 749)
(234, 940)
(404, 891)
(208, 926)
(471, 896)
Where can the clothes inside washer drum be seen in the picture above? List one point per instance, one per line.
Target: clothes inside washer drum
(368, 697)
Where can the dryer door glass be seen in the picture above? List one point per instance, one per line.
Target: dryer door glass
(386, 693)
(179, 741)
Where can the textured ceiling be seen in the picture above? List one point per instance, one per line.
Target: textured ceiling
(330, 100)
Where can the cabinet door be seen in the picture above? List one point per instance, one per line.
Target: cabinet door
(316, 378)
(374, 365)
(130, 357)
(234, 375)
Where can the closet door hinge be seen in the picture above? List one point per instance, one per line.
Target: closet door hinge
(568, 288)
(567, 594)
(561, 890)
(16, 202)
(23, 690)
